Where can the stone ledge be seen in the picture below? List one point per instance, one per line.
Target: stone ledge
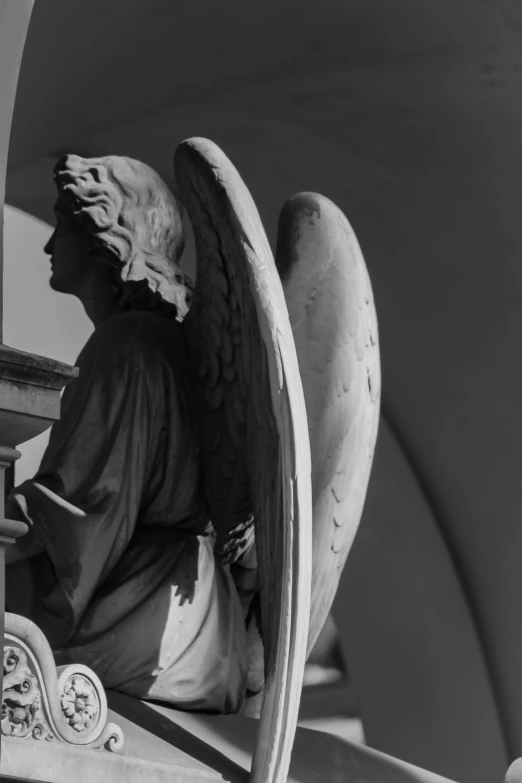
(41, 761)
(35, 370)
(168, 746)
(224, 744)
(30, 388)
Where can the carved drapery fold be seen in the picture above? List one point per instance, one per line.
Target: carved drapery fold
(65, 704)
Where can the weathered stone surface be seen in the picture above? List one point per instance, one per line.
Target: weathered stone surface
(20, 366)
(64, 764)
(30, 388)
(168, 745)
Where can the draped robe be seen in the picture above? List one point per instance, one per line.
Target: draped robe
(127, 581)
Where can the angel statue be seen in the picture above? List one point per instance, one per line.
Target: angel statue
(198, 497)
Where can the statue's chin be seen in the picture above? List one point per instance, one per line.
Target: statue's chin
(56, 284)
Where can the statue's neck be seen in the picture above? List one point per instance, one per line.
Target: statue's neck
(99, 298)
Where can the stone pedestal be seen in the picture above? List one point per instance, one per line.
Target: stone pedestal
(30, 388)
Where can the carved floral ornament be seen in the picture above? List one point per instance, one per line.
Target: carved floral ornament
(80, 703)
(21, 701)
(22, 713)
(39, 704)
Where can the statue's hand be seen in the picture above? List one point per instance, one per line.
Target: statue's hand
(13, 510)
(27, 546)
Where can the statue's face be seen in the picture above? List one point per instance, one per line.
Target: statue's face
(69, 250)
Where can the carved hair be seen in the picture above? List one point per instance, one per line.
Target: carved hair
(130, 213)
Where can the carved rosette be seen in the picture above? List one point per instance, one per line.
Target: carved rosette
(80, 703)
(67, 705)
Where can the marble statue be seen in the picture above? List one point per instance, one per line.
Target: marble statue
(197, 500)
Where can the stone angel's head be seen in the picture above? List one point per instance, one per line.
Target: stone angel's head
(120, 211)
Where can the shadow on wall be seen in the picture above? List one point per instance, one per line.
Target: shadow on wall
(408, 635)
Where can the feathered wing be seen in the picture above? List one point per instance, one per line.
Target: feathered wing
(251, 410)
(332, 312)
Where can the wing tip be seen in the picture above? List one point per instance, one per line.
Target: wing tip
(311, 219)
(311, 203)
(198, 150)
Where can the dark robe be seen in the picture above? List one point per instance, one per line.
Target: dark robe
(128, 583)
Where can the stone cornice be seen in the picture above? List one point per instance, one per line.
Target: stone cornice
(30, 388)
(20, 366)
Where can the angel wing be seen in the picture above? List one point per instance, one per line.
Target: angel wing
(251, 409)
(332, 312)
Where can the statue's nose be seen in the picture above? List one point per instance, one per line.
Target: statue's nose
(49, 246)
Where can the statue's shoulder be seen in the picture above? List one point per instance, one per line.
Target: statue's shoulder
(142, 337)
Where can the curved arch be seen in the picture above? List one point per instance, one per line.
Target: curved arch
(14, 23)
